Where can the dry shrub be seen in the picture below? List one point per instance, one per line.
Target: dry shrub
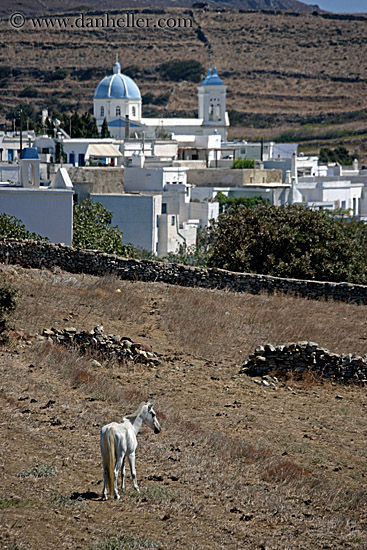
(282, 471)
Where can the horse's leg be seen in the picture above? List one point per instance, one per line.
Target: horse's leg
(133, 471)
(104, 494)
(123, 474)
(116, 473)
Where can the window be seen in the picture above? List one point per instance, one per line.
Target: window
(118, 111)
(173, 220)
(102, 111)
(211, 112)
(164, 208)
(133, 111)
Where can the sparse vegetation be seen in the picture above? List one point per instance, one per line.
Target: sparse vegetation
(126, 542)
(39, 470)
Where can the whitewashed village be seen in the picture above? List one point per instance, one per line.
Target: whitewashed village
(183, 276)
(160, 177)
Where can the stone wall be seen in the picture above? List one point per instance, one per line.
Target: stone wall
(306, 357)
(112, 347)
(47, 255)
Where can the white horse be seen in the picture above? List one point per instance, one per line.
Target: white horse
(118, 440)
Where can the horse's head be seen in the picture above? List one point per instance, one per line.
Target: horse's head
(151, 419)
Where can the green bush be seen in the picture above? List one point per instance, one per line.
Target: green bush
(92, 230)
(58, 74)
(241, 163)
(177, 70)
(12, 228)
(339, 154)
(290, 241)
(7, 306)
(28, 92)
(228, 202)
(5, 71)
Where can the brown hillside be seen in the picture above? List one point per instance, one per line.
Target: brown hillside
(31, 7)
(238, 465)
(283, 71)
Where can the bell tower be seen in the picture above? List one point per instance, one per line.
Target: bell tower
(212, 101)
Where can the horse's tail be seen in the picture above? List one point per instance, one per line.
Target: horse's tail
(108, 457)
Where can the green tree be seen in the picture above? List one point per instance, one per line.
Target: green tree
(12, 228)
(105, 133)
(59, 152)
(226, 202)
(241, 163)
(339, 154)
(291, 241)
(7, 306)
(92, 230)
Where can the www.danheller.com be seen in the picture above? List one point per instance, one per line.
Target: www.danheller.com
(105, 21)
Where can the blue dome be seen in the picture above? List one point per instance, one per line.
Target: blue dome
(212, 79)
(117, 86)
(30, 153)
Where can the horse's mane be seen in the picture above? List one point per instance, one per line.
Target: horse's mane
(137, 412)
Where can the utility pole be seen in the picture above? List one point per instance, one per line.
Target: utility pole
(21, 130)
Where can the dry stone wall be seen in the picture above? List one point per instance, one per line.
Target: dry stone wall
(33, 254)
(303, 357)
(111, 346)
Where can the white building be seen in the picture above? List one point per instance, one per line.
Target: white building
(156, 212)
(117, 99)
(46, 211)
(81, 151)
(10, 144)
(153, 178)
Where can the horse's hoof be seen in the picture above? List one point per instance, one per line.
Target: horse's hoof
(117, 497)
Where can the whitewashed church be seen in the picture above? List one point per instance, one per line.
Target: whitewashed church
(118, 100)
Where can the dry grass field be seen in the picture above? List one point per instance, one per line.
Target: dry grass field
(283, 71)
(238, 465)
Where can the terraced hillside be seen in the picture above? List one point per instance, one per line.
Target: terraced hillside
(286, 72)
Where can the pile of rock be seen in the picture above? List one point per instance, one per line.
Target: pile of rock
(303, 357)
(109, 346)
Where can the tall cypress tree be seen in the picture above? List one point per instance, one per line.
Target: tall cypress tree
(105, 133)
